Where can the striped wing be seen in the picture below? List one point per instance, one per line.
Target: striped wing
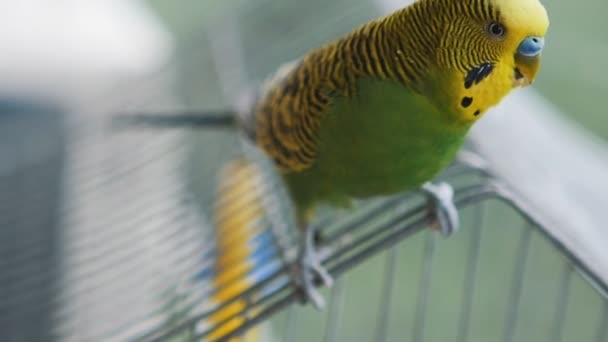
(407, 46)
(286, 118)
(287, 115)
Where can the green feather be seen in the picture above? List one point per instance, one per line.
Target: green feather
(383, 140)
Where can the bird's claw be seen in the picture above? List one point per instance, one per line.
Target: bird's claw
(441, 198)
(308, 269)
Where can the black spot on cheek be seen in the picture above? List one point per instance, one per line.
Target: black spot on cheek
(477, 74)
(477, 112)
(466, 101)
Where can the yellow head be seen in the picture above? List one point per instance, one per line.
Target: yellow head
(487, 47)
(525, 24)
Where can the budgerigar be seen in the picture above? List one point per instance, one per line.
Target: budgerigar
(385, 108)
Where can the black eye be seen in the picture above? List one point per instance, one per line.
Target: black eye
(496, 29)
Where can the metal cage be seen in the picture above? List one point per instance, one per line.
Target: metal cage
(107, 235)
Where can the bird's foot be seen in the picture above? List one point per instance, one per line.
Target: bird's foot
(308, 269)
(441, 200)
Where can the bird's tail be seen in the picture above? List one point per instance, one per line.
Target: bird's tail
(244, 247)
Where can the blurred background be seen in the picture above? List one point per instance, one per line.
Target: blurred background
(100, 232)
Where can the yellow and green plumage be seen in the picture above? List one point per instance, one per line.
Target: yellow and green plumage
(385, 108)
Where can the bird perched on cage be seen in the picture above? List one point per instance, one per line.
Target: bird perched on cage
(386, 107)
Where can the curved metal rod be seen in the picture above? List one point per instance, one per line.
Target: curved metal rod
(394, 231)
(402, 232)
(509, 198)
(465, 197)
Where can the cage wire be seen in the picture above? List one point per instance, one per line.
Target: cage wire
(110, 235)
(379, 226)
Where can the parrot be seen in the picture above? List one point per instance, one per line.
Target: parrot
(384, 108)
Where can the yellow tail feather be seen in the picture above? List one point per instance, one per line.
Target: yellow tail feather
(238, 213)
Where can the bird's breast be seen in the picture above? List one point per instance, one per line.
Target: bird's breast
(383, 140)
